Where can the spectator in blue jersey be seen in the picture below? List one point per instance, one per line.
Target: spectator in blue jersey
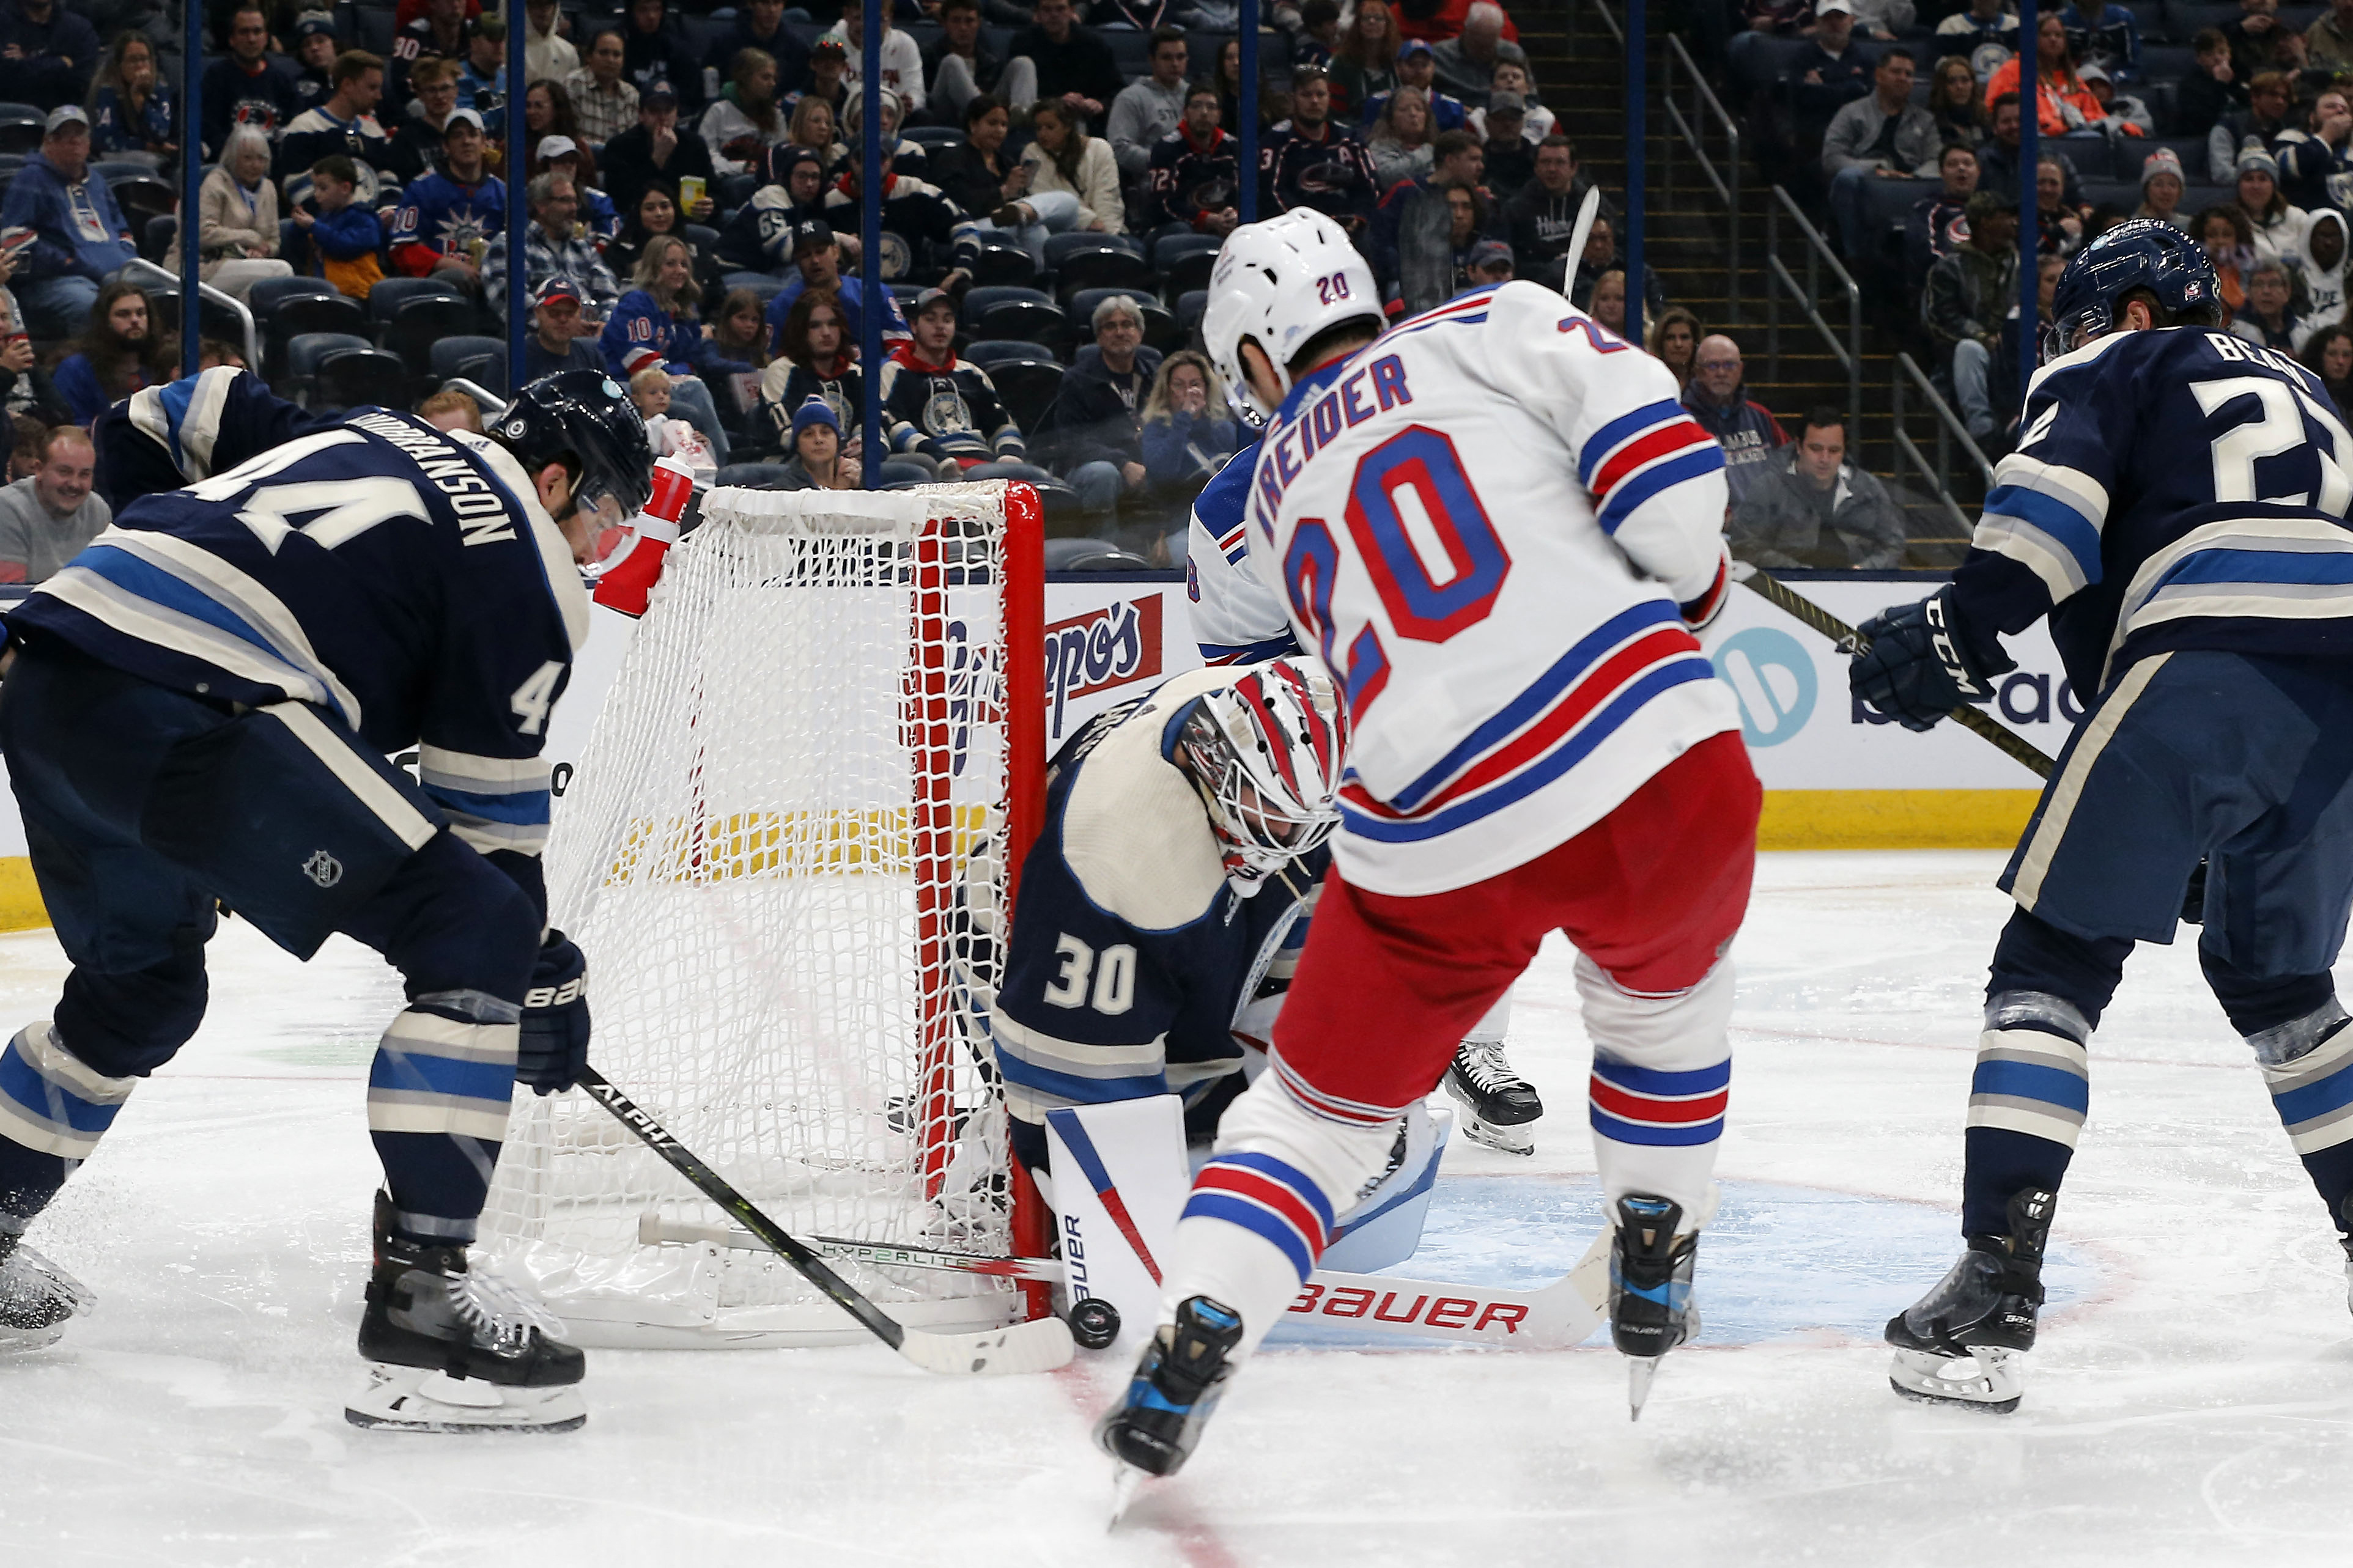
(345, 123)
(816, 263)
(47, 53)
(1719, 401)
(2103, 35)
(560, 340)
(655, 324)
(555, 246)
(2317, 163)
(120, 352)
(314, 57)
(246, 87)
(131, 116)
(816, 360)
(1311, 160)
(946, 409)
(79, 240)
(1417, 66)
(446, 218)
(346, 237)
(481, 74)
(1196, 178)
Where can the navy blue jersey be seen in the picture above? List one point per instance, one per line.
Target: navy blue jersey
(403, 580)
(1134, 966)
(2174, 488)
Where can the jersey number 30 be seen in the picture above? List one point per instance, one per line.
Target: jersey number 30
(1412, 515)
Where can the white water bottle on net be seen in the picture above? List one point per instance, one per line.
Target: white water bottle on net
(786, 851)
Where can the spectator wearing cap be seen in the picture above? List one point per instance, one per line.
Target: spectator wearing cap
(946, 409)
(2276, 226)
(1968, 300)
(902, 61)
(656, 326)
(314, 57)
(1487, 265)
(2270, 98)
(1937, 224)
(343, 123)
(440, 33)
(1465, 66)
(1311, 160)
(1417, 66)
(1510, 157)
(345, 236)
(1829, 76)
(554, 245)
(547, 54)
(481, 74)
(2317, 163)
(813, 447)
(2161, 186)
(1884, 136)
(656, 50)
(603, 102)
(1717, 398)
(1150, 106)
(1091, 434)
(1195, 169)
(758, 25)
(445, 220)
(959, 65)
(560, 336)
(237, 219)
(78, 236)
(817, 269)
(1072, 60)
(828, 61)
(657, 148)
(599, 216)
(1809, 508)
(759, 236)
(47, 54)
(246, 87)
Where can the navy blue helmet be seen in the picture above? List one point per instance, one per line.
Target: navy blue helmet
(2141, 253)
(586, 416)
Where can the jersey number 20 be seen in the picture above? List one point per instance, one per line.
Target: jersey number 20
(1409, 505)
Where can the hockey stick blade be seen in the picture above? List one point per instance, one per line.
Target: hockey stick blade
(2008, 741)
(1039, 1345)
(655, 1231)
(1554, 1317)
(1585, 214)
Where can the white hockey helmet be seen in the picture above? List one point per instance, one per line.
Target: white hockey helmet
(1265, 752)
(1278, 283)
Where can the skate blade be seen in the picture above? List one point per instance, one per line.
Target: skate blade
(413, 1399)
(24, 1342)
(1492, 1135)
(1125, 1481)
(1639, 1372)
(1988, 1380)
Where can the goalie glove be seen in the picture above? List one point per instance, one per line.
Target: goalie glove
(1700, 613)
(1920, 667)
(552, 1044)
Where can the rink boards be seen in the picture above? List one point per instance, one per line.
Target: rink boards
(1836, 776)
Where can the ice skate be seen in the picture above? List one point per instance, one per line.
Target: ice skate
(1961, 1342)
(36, 1299)
(455, 1351)
(1499, 1106)
(1651, 1307)
(1157, 1422)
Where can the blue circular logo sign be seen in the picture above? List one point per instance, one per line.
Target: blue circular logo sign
(1772, 678)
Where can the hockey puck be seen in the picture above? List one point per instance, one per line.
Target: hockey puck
(1094, 1324)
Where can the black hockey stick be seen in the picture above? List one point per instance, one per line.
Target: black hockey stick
(1041, 1345)
(2010, 742)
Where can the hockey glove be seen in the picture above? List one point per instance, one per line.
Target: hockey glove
(1919, 668)
(554, 1045)
(1700, 613)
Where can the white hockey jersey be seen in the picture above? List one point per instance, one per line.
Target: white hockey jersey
(1235, 617)
(1483, 522)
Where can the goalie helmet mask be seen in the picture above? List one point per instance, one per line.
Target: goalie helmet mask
(2144, 253)
(1265, 755)
(588, 416)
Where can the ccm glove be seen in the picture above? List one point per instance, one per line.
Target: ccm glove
(1920, 667)
(553, 1044)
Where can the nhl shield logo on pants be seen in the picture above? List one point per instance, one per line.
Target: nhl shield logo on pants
(323, 868)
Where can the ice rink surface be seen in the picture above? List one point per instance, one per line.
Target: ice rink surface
(2192, 1402)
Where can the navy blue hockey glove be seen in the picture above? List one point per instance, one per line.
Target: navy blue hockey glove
(553, 1046)
(1920, 667)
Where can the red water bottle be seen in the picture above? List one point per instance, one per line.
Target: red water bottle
(631, 572)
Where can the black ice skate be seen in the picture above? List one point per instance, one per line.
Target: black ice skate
(457, 1351)
(1650, 1306)
(1499, 1105)
(1960, 1343)
(1157, 1422)
(36, 1298)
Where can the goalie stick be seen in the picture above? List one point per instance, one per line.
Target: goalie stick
(1039, 1345)
(2011, 744)
(1550, 1317)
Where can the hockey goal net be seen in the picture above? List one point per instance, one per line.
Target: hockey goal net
(786, 850)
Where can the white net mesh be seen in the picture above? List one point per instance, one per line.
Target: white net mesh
(775, 854)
